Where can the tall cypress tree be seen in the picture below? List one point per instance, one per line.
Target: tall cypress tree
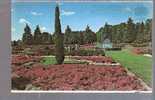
(59, 46)
(27, 36)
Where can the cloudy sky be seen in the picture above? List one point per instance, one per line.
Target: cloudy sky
(77, 15)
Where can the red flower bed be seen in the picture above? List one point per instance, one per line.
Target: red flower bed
(88, 46)
(78, 77)
(97, 59)
(21, 59)
(138, 51)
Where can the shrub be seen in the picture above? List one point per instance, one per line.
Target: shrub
(113, 49)
(20, 82)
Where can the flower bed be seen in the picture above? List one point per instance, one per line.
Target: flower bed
(21, 59)
(78, 77)
(138, 51)
(88, 46)
(141, 50)
(97, 59)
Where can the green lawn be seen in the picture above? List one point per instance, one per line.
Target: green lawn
(52, 60)
(138, 64)
(48, 60)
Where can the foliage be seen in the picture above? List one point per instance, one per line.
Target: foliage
(46, 38)
(129, 32)
(37, 35)
(73, 37)
(104, 32)
(79, 37)
(89, 36)
(27, 36)
(37, 39)
(67, 36)
(59, 46)
(130, 36)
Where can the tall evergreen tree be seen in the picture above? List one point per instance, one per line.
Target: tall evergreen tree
(123, 32)
(104, 33)
(27, 36)
(130, 36)
(99, 34)
(89, 35)
(59, 46)
(148, 30)
(37, 35)
(73, 37)
(67, 36)
(140, 36)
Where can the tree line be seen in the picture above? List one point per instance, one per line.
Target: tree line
(70, 37)
(127, 32)
(37, 38)
(79, 37)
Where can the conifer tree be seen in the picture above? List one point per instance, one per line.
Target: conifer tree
(59, 46)
(27, 36)
(37, 35)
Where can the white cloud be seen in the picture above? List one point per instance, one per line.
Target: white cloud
(23, 21)
(67, 13)
(36, 13)
(43, 28)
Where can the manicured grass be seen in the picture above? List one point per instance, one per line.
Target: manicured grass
(52, 60)
(138, 64)
(48, 60)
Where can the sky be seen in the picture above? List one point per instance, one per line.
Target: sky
(77, 15)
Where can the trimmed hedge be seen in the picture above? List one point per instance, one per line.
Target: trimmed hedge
(113, 49)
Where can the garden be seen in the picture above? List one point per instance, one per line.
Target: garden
(108, 72)
(72, 75)
(83, 60)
